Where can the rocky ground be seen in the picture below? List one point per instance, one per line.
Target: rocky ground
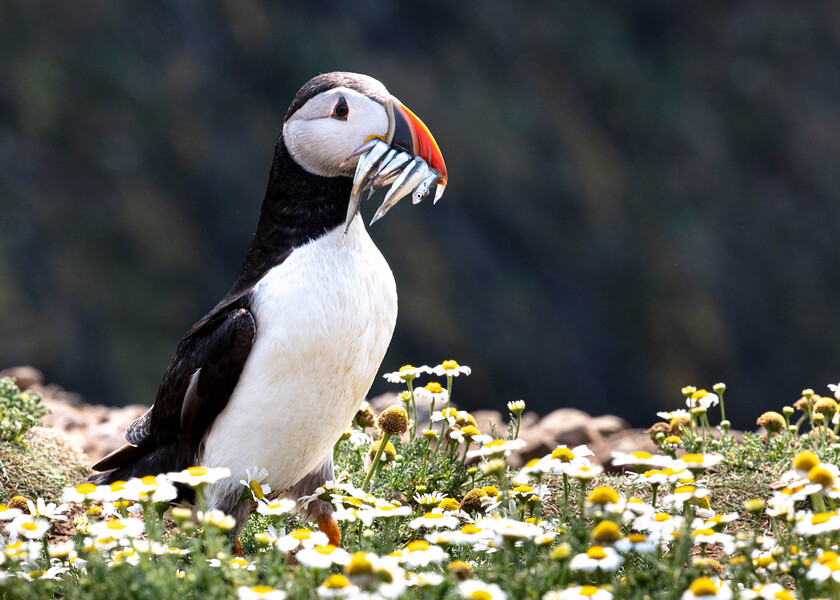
(97, 430)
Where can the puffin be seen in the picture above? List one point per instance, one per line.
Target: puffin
(272, 376)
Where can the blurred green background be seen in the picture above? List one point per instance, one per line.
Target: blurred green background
(644, 195)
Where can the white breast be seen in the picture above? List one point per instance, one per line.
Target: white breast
(324, 319)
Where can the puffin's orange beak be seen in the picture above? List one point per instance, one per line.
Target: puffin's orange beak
(407, 132)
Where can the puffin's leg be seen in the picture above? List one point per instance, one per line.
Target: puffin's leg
(230, 502)
(319, 511)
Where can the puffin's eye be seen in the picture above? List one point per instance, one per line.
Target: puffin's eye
(341, 110)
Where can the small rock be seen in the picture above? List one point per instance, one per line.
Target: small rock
(25, 377)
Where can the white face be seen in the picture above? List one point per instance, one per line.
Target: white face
(319, 139)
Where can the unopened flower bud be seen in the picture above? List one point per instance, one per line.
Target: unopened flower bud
(393, 420)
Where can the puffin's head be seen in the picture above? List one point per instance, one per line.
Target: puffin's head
(338, 120)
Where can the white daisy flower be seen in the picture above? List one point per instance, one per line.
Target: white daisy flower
(253, 482)
(827, 566)
(420, 554)
(367, 515)
(810, 525)
(305, 538)
(435, 520)
(707, 589)
(674, 414)
(429, 499)
(216, 518)
(259, 592)
(7, 514)
(703, 399)
(432, 392)
(768, 591)
(322, 557)
(450, 415)
(115, 492)
(710, 536)
(406, 373)
(640, 460)
(196, 476)
(81, 493)
(474, 589)
(450, 368)
(329, 492)
(596, 558)
(117, 528)
(278, 506)
(496, 448)
(28, 526)
(337, 586)
(579, 592)
(471, 434)
(357, 437)
(423, 579)
(638, 543)
(156, 489)
(126, 555)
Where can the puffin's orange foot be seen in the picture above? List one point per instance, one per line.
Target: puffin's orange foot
(329, 526)
(237, 546)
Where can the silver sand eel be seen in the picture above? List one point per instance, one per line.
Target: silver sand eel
(379, 166)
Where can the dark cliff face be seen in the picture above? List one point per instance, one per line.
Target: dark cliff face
(641, 197)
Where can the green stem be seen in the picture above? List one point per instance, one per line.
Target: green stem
(382, 443)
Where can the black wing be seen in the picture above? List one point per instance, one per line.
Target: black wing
(194, 390)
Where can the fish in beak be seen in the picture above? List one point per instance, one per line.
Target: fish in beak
(408, 159)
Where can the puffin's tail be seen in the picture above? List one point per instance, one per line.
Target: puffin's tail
(139, 461)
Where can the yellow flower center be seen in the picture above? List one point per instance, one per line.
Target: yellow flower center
(449, 365)
(805, 461)
(821, 518)
(118, 486)
(692, 458)
(337, 581)
(588, 591)
(685, 489)
(596, 552)
(261, 589)
(827, 557)
(257, 489)
(197, 471)
(116, 525)
(328, 549)
(480, 595)
(86, 488)
(238, 561)
(636, 538)
(563, 454)
(434, 387)
(673, 439)
(417, 546)
(603, 495)
(704, 587)
(148, 480)
(359, 565)
(660, 517)
(450, 412)
(821, 476)
(606, 532)
(470, 529)
(469, 431)
(29, 526)
(405, 368)
(301, 534)
(699, 394)
(641, 455)
(764, 561)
